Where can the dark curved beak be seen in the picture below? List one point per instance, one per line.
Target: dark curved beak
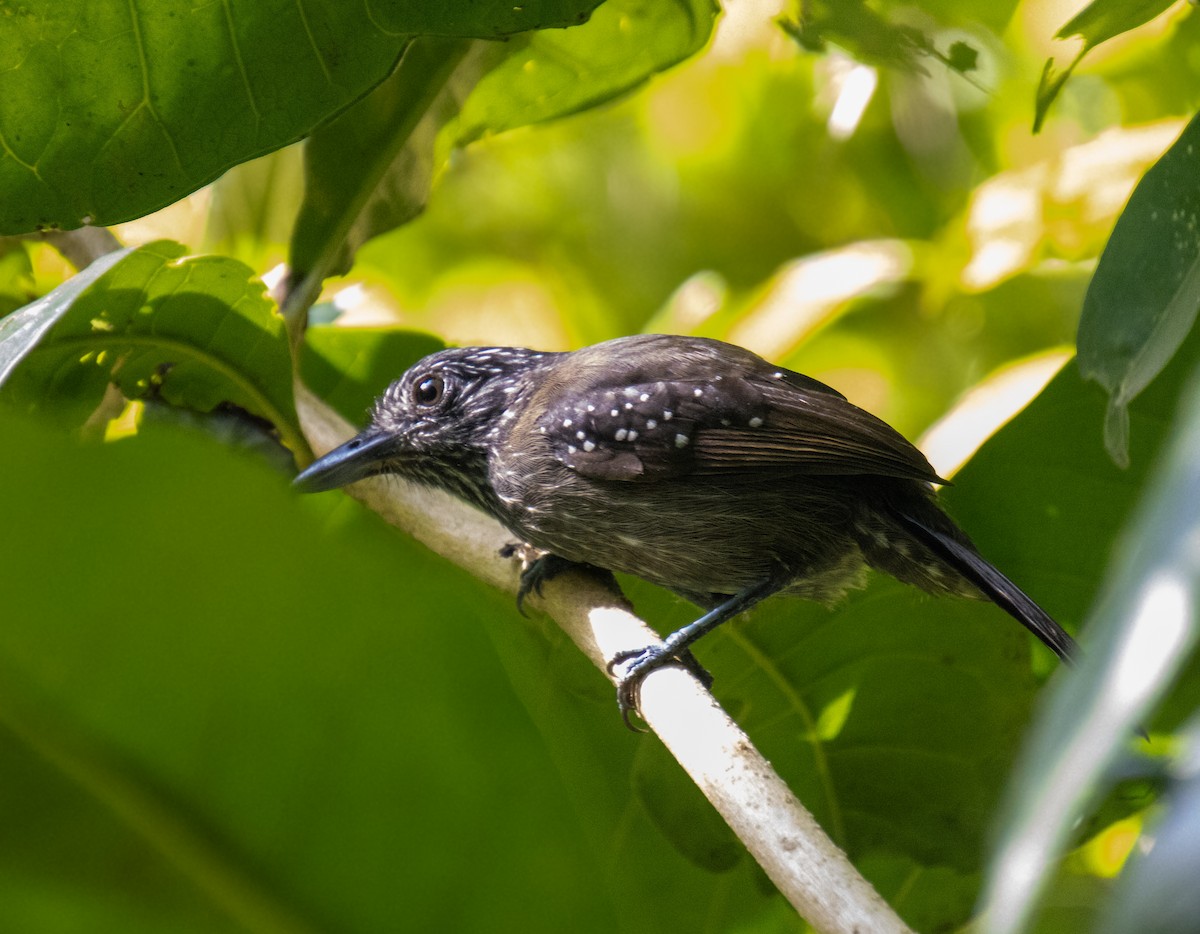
(357, 458)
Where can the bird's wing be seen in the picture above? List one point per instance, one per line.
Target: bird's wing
(739, 423)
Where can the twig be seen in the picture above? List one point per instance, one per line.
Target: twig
(81, 247)
(807, 867)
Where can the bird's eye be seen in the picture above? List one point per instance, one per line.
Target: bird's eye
(429, 391)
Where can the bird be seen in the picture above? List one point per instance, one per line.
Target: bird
(689, 462)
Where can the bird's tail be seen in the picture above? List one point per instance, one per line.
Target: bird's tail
(947, 542)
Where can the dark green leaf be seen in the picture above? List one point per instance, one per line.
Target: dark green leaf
(194, 331)
(349, 367)
(370, 170)
(681, 812)
(1143, 299)
(153, 100)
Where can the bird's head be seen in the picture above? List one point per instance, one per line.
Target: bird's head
(435, 424)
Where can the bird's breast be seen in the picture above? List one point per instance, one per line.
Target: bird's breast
(691, 535)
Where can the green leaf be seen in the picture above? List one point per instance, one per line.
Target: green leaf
(1102, 20)
(284, 719)
(153, 100)
(371, 169)
(995, 16)
(287, 718)
(194, 331)
(349, 367)
(21, 331)
(1143, 299)
(547, 75)
(1143, 630)
(1098, 22)
(891, 717)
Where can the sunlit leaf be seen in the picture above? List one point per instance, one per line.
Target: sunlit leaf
(552, 74)
(21, 331)
(194, 331)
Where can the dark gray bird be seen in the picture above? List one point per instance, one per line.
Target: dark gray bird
(688, 462)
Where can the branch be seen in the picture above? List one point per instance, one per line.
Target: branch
(807, 867)
(81, 247)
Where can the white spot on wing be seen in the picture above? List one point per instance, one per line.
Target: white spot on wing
(681, 441)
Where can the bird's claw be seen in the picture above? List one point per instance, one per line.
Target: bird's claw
(538, 567)
(636, 664)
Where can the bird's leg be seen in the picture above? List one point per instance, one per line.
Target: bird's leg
(676, 648)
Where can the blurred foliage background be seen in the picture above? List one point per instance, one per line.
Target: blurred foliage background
(899, 232)
(218, 717)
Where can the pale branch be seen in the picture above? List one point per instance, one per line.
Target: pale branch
(807, 867)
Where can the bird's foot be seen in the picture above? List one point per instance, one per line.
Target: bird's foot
(635, 664)
(537, 567)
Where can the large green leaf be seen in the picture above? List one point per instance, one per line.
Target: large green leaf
(1142, 633)
(112, 108)
(1143, 299)
(194, 331)
(254, 711)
